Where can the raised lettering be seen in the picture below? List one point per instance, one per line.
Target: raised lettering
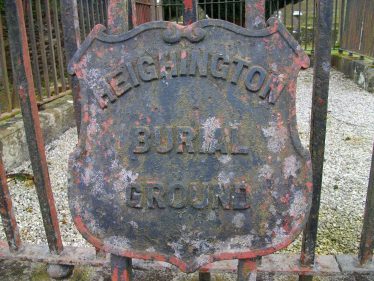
(119, 84)
(146, 69)
(238, 70)
(134, 196)
(155, 194)
(255, 78)
(221, 194)
(220, 66)
(143, 136)
(199, 60)
(168, 63)
(236, 148)
(199, 195)
(164, 145)
(185, 137)
(240, 197)
(177, 196)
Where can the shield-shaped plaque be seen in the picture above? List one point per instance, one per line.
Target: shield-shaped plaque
(188, 151)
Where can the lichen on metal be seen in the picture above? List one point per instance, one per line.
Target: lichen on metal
(189, 151)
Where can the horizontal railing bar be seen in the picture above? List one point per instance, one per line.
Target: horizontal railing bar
(275, 263)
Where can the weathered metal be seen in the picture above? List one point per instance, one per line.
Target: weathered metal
(56, 27)
(25, 88)
(6, 210)
(42, 46)
(188, 151)
(189, 11)
(32, 40)
(247, 269)
(72, 40)
(118, 19)
(51, 48)
(4, 70)
(367, 236)
(121, 268)
(276, 263)
(255, 14)
(322, 64)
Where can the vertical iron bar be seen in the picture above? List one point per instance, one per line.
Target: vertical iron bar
(25, 85)
(254, 14)
(292, 10)
(93, 19)
(34, 49)
(189, 12)
(81, 18)
(118, 20)
(133, 21)
(42, 46)
(367, 236)
(72, 40)
(247, 269)
(153, 8)
(314, 25)
(4, 68)
(51, 47)
(322, 63)
(87, 16)
(219, 9)
(121, 268)
(6, 210)
(204, 276)
(98, 15)
(241, 12)
(102, 16)
(299, 24)
(335, 23)
(306, 23)
(58, 42)
(341, 23)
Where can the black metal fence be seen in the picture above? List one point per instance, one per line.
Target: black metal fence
(53, 66)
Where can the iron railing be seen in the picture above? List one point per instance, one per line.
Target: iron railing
(43, 20)
(24, 86)
(44, 31)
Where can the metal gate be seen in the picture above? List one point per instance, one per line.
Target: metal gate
(307, 264)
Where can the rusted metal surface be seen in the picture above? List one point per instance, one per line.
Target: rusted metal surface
(6, 210)
(41, 253)
(25, 88)
(60, 60)
(357, 34)
(188, 151)
(121, 268)
(247, 269)
(118, 19)
(72, 40)
(322, 67)
(255, 14)
(276, 263)
(367, 236)
(4, 70)
(189, 11)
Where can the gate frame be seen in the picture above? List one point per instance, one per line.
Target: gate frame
(61, 260)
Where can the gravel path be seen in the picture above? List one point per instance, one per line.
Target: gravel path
(349, 142)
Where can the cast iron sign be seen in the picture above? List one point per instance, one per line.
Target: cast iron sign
(189, 151)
